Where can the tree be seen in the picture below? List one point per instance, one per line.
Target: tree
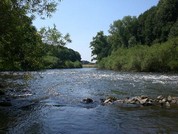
(132, 41)
(33, 7)
(100, 46)
(141, 44)
(166, 15)
(59, 57)
(121, 31)
(20, 45)
(174, 30)
(52, 36)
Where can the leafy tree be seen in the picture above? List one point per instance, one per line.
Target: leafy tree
(17, 39)
(146, 24)
(62, 57)
(166, 16)
(174, 30)
(146, 43)
(122, 31)
(132, 41)
(52, 36)
(22, 47)
(40, 7)
(100, 46)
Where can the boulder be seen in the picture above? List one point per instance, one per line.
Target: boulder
(167, 104)
(160, 97)
(110, 100)
(164, 100)
(173, 101)
(149, 103)
(143, 97)
(169, 98)
(119, 101)
(134, 100)
(144, 101)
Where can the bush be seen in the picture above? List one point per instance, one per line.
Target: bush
(70, 64)
(77, 64)
(156, 58)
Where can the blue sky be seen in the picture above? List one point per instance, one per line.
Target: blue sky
(82, 19)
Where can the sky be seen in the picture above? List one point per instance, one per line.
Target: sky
(82, 19)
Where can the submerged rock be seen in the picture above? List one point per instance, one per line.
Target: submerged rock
(87, 100)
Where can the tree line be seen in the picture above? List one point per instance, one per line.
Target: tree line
(22, 47)
(148, 42)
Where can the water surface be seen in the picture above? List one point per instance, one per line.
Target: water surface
(50, 102)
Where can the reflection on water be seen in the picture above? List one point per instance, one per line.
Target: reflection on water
(50, 102)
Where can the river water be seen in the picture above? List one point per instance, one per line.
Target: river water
(49, 102)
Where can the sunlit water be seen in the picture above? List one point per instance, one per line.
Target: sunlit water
(49, 102)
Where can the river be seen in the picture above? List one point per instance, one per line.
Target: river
(49, 102)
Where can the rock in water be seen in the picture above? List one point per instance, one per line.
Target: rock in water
(143, 101)
(107, 101)
(169, 98)
(87, 100)
(160, 97)
(168, 104)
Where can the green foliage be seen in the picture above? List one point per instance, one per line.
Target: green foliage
(174, 30)
(100, 46)
(147, 43)
(159, 58)
(52, 36)
(122, 31)
(22, 47)
(61, 57)
(70, 64)
(151, 27)
(50, 61)
(33, 7)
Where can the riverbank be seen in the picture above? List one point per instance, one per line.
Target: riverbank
(89, 65)
(143, 58)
